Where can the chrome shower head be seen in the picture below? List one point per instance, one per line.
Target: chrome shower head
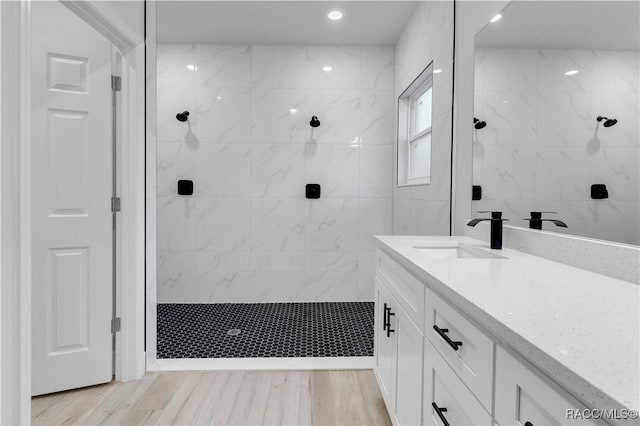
(608, 122)
(182, 116)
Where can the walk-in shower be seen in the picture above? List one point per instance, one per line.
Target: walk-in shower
(253, 260)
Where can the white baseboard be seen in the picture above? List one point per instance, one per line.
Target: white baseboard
(337, 363)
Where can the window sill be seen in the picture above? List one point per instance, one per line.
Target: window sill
(420, 182)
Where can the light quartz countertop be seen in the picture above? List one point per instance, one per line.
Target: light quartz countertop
(580, 328)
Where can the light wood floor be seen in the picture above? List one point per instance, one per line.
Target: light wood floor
(222, 398)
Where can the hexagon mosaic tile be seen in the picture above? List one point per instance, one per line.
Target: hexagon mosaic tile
(265, 330)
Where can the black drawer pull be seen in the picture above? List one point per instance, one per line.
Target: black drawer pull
(439, 412)
(443, 333)
(389, 330)
(384, 317)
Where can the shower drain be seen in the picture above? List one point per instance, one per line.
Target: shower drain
(233, 332)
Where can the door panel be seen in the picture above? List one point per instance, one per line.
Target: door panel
(71, 181)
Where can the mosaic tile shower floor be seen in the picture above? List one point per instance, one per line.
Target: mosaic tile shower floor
(261, 330)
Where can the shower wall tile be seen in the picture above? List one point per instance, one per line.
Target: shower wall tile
(176, 218)
(248, 234)
(277, 170)
(345, 63)
(510, 69)
(376, 119)
(278, 115)
(375, 171)
(366, 275)
(376, 72)
(615, 71)
(222, 114)
(562, 173)
(330, 277)
(171, 101)
(374, 218)
(176, 277)
(222, 224)
(618, 169)
(331, 225)
(277, 224)
(335, 168)
(222, 277)
(279, 67)
(223, 65)
(512, 116)
(624, 107)
(276, 277)
(571, 149)
(509, 173)
(174, 162)
(565, 119)
(173, 60)
(434, 217)
(223, 170)
(339, 115)
(553, 64)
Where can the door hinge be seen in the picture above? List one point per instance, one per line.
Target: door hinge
(115, 204)
(116, 83)
(115, 325)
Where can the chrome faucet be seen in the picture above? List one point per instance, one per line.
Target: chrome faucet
(535, 221)
(496, 228)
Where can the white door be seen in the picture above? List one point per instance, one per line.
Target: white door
(71, 213)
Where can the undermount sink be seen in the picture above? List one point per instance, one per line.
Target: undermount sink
(458, 252)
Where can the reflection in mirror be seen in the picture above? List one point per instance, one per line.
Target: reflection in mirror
(557, 84)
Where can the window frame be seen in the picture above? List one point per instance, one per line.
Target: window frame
(406, 135)
(411, 126)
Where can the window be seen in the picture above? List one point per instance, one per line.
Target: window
(414, 131)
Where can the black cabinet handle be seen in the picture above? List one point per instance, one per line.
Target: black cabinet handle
(442, 332)
(528, 424)
(384, 317)
(439, 412)
(389, 330)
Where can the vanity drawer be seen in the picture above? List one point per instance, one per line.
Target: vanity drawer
(407, 290)
(524, 397)
(473, 358)
(446, 390)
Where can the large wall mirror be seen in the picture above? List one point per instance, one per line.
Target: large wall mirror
(556, 117)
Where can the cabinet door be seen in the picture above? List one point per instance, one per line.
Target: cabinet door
(409, 372)
(386, 347)
(524, 398)
(443, 389)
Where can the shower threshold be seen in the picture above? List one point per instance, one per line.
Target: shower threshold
(265, 330)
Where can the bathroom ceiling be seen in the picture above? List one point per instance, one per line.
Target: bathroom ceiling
(282, 22)
(565, 25)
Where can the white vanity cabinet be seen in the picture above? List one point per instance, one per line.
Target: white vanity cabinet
(524, 397)
(398, 355)
(435, 366)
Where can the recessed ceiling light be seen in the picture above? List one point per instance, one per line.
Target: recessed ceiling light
(437, 71)
(219, 97)
(327, 68)
(192, 67)
(571, 72)
(293, 110)
(496, 18)
(335, 15)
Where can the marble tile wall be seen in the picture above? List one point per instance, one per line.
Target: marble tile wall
(248, 234)
(425, 209)
(542, 148)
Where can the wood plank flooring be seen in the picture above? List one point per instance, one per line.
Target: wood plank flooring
(349, 397)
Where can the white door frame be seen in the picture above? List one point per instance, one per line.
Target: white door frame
(15, 193)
